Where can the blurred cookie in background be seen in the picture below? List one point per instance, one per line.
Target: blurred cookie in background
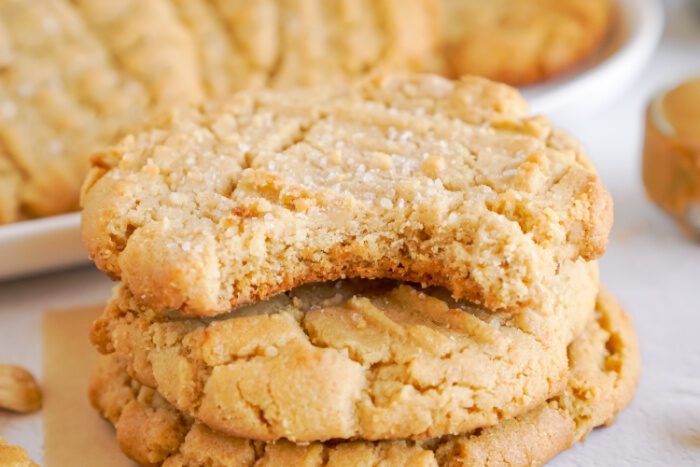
(78, 75)
(522, 42)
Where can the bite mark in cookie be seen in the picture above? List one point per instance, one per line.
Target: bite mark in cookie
(354, 359)
(412, 178)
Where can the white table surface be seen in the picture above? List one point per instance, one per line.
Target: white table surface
(654, 271)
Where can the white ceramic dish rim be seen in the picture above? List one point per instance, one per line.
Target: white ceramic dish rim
(40, 245)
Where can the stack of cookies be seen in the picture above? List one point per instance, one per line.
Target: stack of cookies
(401, 272)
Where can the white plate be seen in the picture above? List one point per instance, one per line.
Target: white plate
(46, 244)
(51, 243)
(632, 43)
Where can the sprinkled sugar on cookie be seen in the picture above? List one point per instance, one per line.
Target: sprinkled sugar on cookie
(413, 178)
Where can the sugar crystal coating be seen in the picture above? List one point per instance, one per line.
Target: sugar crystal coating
(413, 178)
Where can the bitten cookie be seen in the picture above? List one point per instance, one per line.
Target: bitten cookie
(603, 372)
(521, 41)
(413, 178)
(78, 74)
(353, 359)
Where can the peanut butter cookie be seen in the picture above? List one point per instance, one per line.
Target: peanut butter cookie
(353, 359)
(603, 372)
(413, 178)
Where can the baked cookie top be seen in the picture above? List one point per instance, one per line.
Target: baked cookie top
(414, 178)
(353, 359)
(521, 41)
(78, 74)
(603, 372)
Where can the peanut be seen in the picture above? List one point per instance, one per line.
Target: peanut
(19, 391)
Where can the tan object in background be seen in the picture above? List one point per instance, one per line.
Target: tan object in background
(521, 41)
(671, 165)
(14, 456)
(73, 434)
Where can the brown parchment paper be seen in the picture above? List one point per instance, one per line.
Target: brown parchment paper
(74, 434)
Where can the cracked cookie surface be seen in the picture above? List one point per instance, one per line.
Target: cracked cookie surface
(76, 75)
(413, 178)
(521, 41)
(352, 359)
(603, 372)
